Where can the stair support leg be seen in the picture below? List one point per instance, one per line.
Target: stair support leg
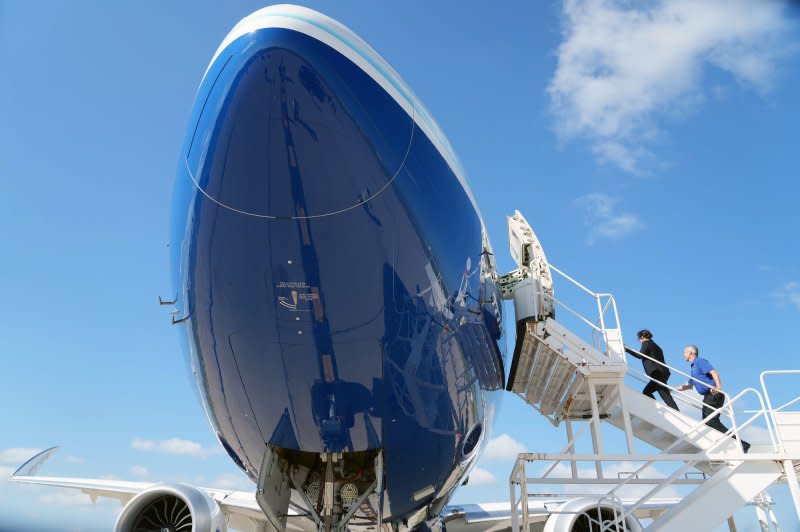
(791, 479)
(597, 439)
(731, 524)
(764, 514)
(523, 492)
(773, 519)
(512, 485)
(761, 515)
(626, 420)
(571, 449)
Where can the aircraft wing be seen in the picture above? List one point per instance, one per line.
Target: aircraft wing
(240, 507)
(243, 512)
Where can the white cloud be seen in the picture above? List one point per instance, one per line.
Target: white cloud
(74, 459)
(604, 220)
(79, 501)
(139, 471)
(66, 498)
(622, 65)
(17, 455)
(174, 446)
(790, 292)
(6, 472)
(503, 447)
(232, 482)
(481, 477)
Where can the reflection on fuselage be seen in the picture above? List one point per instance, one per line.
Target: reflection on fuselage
(320, 244)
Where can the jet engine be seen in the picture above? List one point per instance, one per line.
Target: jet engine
(583, 515)
(172, 507)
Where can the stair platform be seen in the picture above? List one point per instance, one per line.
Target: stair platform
(552, 369)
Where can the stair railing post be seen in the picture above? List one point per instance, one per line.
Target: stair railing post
(734, 427)
(602, 324)
(513, 482)
(512, 493)
(526, 526)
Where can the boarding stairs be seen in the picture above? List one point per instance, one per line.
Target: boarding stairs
(570, 378)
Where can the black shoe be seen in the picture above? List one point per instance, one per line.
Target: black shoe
(745, 447)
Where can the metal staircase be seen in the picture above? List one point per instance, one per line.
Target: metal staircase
(581, 378)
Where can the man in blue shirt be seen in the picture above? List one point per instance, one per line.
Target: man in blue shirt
(709, 386)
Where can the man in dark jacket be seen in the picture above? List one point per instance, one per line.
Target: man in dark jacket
(658, 373)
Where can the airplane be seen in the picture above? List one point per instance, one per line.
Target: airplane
(335, 291)
(338, 300)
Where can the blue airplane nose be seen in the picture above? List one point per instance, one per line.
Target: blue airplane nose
(290, 164)
(283, 136)
(325, 254)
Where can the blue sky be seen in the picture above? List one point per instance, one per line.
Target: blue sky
(652, 148)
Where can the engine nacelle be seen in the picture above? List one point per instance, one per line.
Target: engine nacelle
(172, 507)
(581, 515)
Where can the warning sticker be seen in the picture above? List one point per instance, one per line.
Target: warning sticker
(297, 296)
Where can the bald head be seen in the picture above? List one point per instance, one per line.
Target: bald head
(690, 352)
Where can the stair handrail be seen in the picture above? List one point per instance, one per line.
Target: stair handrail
(700, 456)
(772, 410)
(573, 281)
(788, 465)
(602, 308)
(668, 480)
(601, 329)
(704, 454)
(691, 397)
(684, 396)
(670, 368)
(697, 425)
(788, 404)
(571, 311)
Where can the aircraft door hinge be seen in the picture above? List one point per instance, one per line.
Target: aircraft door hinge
(164, 302)
(176, 321)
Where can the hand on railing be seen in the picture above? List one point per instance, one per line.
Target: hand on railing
(638, 354)
(693, 399)
(688, 398)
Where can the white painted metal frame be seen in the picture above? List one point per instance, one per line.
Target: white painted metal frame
(606, 306)
(783, 446)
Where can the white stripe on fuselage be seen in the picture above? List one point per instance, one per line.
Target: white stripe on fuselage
(347, 43)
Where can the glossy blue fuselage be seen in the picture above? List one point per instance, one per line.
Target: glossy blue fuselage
(333, 271)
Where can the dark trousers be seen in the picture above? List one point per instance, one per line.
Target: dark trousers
(712, 402)
(656, 384)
